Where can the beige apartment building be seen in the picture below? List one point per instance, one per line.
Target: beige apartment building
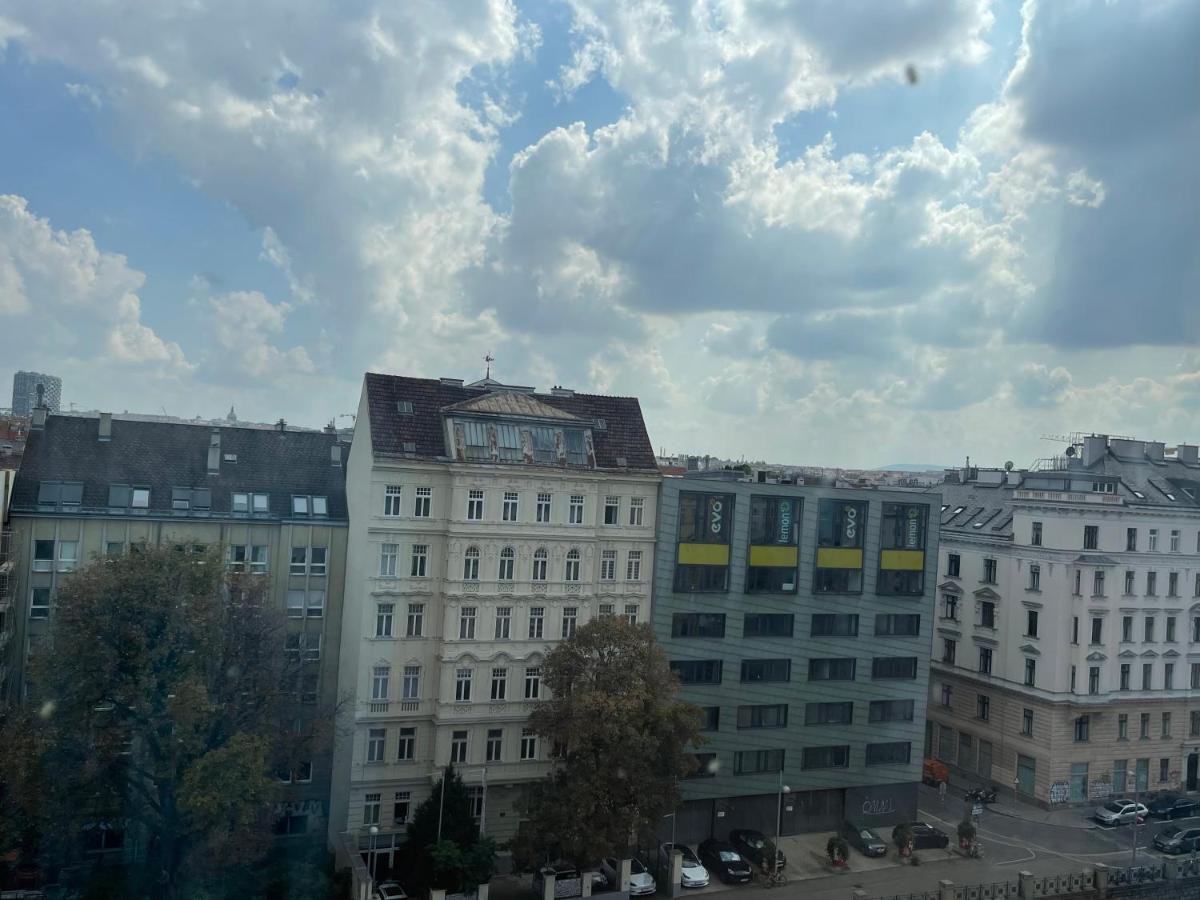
(98, 485)
(1066, 659)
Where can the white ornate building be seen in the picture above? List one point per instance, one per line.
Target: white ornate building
(487, 523)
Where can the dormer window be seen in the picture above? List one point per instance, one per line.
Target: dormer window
(508, 443)
(544, 450)
(304, 505)
(576, 450)
(476, 440)
(60, 493)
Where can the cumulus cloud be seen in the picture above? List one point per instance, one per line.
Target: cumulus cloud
(243, 320)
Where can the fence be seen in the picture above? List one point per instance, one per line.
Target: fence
(1176, 877)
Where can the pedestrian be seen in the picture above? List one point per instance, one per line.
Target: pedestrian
(942, 792)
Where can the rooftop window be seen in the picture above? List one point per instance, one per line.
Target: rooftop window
(60, 493)
(308, 505)
(124, 496)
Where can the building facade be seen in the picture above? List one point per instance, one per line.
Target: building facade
(488, 523)
(1067, 653)
(798, 618)
(92, 486)
(31, 389)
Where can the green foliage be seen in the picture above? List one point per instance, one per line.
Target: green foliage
(622, 740)
(461, 859)
(166, 703)
(904, 836)
(966, 830)
(458, 825)
(458, 868)
(837, 849)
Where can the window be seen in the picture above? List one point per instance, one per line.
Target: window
(983, 706)
(1144, 726)
(631, 613)
(43, 556)
(1081, 728)
(316, 560)
(1030, 671)
(1172, 585)
(947, 695)
(371, 803)
(770, 716)
(897, 624)
(1174, 540)
(1097, 630)
(950, 607)
(697, 671)
(422, 502)
(1093, 679)
(773, 553)
(751, 762)
(1072, 680)
(953, 565)
(1035, 578)
(391, 499)
(540, 558)
(1194, 723)
(828, 713)
(543, 508)
(380, 678)
(376, 739)
(295, 604)
(767, 625)
(1035, 537)
(989, 571)
(39, 604)
(605, 609)
(1124, 676)
(475, 437)
(712, 718)
(114, 548)
(139, 498)
(474, 505)
(410, 685)
(299, 564)
(68, 555)
(537, 617)
(889, 754)
(239, 503)
(894, 667)
(1078, 581)
(315, 606)
(1098, 583)
(528, 744)
(766, 670)
(633, 566)
(509, 510)
(825, 757)
(508, 560)
(1031, 623)
(508, 443)
(701, 625)
(383, 620)
(985, 660)
(575, 510)
(401, 807)
(569, 618)
(466, 623)
(1147, 676)
(1195, 679)
(1166, 725)
(1122, 727)
(462, 685)
(576, 450)
(987, 614)
(1091, 537)
(1127, 628)
(1148, 629)
(834, 624)
(612, 510)
(835, 669)
(1151, 583)
(1027, 722)
(415, 620)
(949, 650)
(258, 559)
(503, 623)
(571, 569)
(471, 564)
(492, 748)
(499, 684)
(387, 560)
(458, 746)
(1168, 676)
(1153, 540)
(702, 551)
(1131, 537)
(1196, 587)
(1164, 767)
(890, 711)
(69, 494)
(1128, 582)
(636, 508)
(533, 682)
(608, 565)
(902, 549)
(840, 528)
(1170, 629)
(420, 556)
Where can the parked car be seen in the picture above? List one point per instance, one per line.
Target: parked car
(1119, 812)
(693, 874)
(1172, 806)
(390, 890)
(1174, 839)
(723, 859)
(866, 841)
(640, 881)
(755, 847)
(925, 836)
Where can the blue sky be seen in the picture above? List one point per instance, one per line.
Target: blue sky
(743, 214)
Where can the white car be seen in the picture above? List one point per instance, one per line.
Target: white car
(640, 881)
(390, 890)
(693, 875)
(1120, 812)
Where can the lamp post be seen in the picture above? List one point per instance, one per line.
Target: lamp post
(1132, 774)
(1016, 786)
(783, 789)
(374, 843)
(441, 803)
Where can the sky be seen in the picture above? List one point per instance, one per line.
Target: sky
(833, 232)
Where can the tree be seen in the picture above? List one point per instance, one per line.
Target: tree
(457, 857)
(165, 704)
(621, 739)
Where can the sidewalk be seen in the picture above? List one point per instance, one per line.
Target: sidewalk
(955, 807)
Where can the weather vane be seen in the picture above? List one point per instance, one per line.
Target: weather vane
(489, 359)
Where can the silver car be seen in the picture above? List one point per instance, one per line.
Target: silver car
(640, 881)
(1120, 812)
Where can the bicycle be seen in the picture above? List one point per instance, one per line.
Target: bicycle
(774, 878)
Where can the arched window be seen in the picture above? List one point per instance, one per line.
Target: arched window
(539, 564)
(572, 571)
(508, 558)
(471, 564)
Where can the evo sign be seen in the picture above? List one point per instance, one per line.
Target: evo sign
(718, 517)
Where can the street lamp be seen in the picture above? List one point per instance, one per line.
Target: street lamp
(1132, 774)
(783, 789)
(1016, 786)
(374, 843)
(441, 801)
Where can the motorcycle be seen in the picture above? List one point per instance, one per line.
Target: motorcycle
(982, 795)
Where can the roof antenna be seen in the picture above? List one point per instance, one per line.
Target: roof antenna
(489, 359)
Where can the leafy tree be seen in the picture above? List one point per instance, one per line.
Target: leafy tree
(456, 859)
(165, 705)
(621, 738)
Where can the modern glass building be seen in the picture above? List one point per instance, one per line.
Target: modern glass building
(799, 618)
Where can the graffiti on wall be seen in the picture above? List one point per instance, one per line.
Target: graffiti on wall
(1099, 789)
(1060, 791)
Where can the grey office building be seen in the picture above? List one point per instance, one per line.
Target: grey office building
(799, 618)
(25, 392)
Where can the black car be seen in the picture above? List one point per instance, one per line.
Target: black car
(755, 847)
(925, 836)
(863, 839)
(726, 862)
(1172, 806)
(1174, 839)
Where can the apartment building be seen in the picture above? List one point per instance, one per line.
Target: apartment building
(798, 618)
(98, 485)
(1067, 650)
(488, 522)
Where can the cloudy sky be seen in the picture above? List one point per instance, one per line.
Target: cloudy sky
(740, 211)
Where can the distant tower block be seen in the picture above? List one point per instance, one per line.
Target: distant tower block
(30, 388)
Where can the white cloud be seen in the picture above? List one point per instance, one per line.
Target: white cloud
(243, 321)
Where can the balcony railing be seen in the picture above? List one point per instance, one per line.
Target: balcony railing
(1070, 497)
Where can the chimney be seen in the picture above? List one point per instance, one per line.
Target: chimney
(558, 391)
(281, 425)
(38, 421)
(214, 452)
(105, 426)
(335, 455)
(1154, 450)
(1094, 448)
(1187, 454)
